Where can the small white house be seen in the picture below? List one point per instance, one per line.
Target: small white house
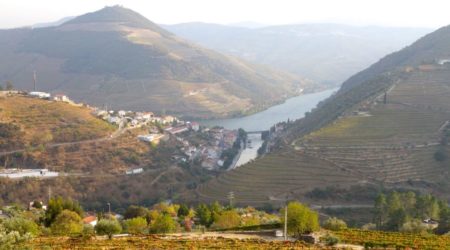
(90, 220)
(61, 98)
(134, 171)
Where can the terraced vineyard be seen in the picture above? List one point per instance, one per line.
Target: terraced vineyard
(157, 242)
(394, 240)
(390, 143)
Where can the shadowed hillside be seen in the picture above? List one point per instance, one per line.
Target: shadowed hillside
(118, 58)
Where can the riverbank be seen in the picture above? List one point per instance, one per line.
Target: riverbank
(292, 109)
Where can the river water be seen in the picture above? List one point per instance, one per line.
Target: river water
(293, 108)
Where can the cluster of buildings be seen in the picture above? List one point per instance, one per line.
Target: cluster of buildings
(210, 152)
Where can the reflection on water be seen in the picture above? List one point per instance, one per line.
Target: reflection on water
(251, 151)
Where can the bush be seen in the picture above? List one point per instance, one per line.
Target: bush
(88, 232)
(334, 224)
(227, 219)
(163, 224)
(136, 225)
(301, 219)
(67, 223)
(413, 226)
(330, 240)
(369, 227)
(22, 226)
(108, 227)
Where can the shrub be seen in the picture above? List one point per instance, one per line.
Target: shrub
(330, 240)
(88, 232)
(67, 223)
(136, 225)
(301, 219)
(163, 224)
(227, 219)
(335, 224)
(108, 227)
(22, 226)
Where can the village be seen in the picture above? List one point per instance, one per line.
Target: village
(209, 148)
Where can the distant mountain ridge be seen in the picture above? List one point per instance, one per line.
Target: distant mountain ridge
(326, 53)
(117, 57)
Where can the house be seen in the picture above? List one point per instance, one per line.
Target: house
(121, 113)
(114, 120)
(42, 95)
(194, 126)
(134, 171)
(15, 173)
(90, 220)
(61, 98)
(35, 204)
(176, 130)
(168, 119)
(150, 138)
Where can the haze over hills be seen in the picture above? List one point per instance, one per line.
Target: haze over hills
(326, 53)
(118, 58)
(388, 127)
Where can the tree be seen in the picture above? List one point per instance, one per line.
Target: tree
(57, 205)
(163, 224)
(444, 221)
(67, 223)
(204, 215)
(380, 210)
(136, 225)
(10, 239)
(108, 227)
(227, 219)
(300, 219)
(397, 219)
(335, 224)
(22, 226)
(183, 211)
(135, 211)
(393, 202)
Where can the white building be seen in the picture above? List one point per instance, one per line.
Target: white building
(134, 171)
(15, 173)
(41, 95)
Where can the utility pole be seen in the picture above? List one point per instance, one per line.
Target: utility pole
(109, 208)
(34, 80)
(285, 221)
(231, 198)
(286, 217)
(49, 193)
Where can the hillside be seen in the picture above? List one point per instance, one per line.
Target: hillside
(325, 53)
(90, 154)
(118, 58)
(388, 127)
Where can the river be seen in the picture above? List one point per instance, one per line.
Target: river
(293, 108)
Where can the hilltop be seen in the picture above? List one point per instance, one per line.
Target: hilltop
(91, 155)
(386, 128)
(117, 57)
(324, 52)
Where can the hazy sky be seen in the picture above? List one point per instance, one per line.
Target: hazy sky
(421, 13)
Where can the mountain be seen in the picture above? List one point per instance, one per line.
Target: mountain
(386, 128)
(51, 24)
(117, 57)
(325, 53)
